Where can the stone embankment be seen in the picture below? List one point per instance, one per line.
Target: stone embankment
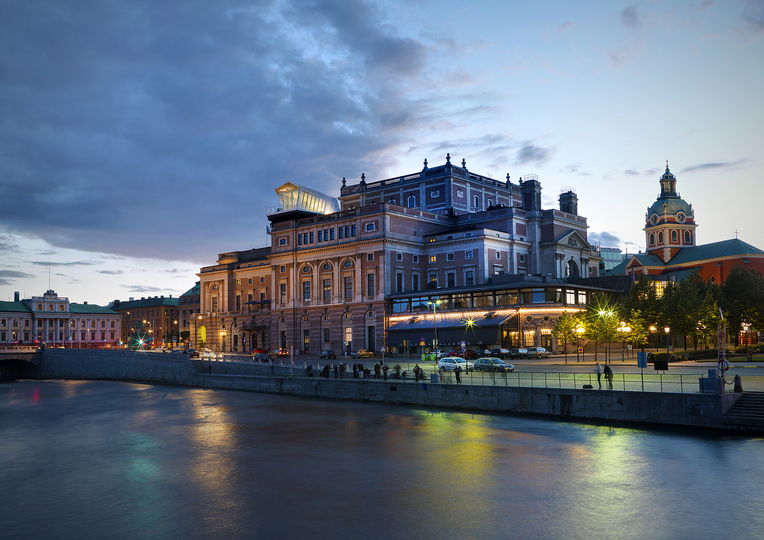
(686, 409)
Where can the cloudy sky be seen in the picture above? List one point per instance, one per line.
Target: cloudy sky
(139, 139)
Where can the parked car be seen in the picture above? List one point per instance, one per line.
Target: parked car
(439, 354)
(518, 353)
(537, 352)
(327, 355)
(278, 353)
(500, 353)
(449, 363)
(468, 354)
(260, 357)
(362, 353)
(259, 351)
(193, 353)
(493, 364)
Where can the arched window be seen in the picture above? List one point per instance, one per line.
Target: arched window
(490, 203)
(412, 202)
(652, 239)
(660, 237)
(674, 237)
(571, 269)
(687, 239)
(476, 202)
(392, 201)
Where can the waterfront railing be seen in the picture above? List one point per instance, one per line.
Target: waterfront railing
(634, 382)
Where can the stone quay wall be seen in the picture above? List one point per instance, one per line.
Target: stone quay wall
(686, 409)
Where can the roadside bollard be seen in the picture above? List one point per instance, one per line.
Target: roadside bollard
(738, 384)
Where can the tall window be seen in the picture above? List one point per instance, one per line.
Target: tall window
(282, 292)
(660, 237)
(476, 202)
(415, 282)
(306, 291)
(652, 239)
(450, 279)
(348, 282)
(238, 302)
(327, 335)
(469, 277)
(369, 285)
(399, 282)
(674, 237)
(327, 290)
(687, 237)
(412, 202)
(214, 304)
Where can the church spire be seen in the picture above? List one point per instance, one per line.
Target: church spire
(668, 183)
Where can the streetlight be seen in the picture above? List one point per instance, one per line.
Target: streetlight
(579, 331)
(222, 338)
(609, 314)
(667, 330)
(654, 330)
(435, 321)
(624, 331)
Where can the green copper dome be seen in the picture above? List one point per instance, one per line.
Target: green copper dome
(669, 202)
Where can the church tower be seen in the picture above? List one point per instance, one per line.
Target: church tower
(669, 222)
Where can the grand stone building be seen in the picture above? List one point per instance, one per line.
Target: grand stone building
(56, 322)
(445, 246)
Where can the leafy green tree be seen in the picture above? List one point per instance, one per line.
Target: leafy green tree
(743, 299)
(565, 330)
(639, 329)
(643, 298)
(602, 316)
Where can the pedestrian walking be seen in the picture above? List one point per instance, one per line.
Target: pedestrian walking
(417, 371)
(598, 371)
(377, 370)
(384, 373)
(343, 367)
(336, 371)
(397, 371)
(608, 376)
(458, 373)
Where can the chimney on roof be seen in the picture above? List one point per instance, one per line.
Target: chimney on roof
(16, 296)
(131, 298)
(143, 297)
(161, 296)
(116, 302)
(85, 303)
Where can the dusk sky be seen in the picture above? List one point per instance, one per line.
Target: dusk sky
(139, 139)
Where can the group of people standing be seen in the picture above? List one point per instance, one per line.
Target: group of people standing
(599, 370)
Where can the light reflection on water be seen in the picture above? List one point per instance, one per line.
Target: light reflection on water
(117, 460)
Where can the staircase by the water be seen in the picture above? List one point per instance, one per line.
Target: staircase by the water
(747, 412)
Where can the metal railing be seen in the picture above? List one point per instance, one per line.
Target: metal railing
(629, 382)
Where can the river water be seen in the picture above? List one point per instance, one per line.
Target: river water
(118, 460)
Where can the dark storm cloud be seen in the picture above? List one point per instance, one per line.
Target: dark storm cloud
(605, 239)
(70, 263)
(532, 154)
(753, 16)
(153, 123)
(630, 17)
(713, 165)
(14, 274)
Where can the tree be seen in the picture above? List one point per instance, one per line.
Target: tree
(643, 298)
(639, 329)
(565, 330)
(602, 316)
(743, 299)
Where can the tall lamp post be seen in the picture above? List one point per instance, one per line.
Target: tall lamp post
(624, 330)
(435, 322)
(654, 330)
(579, 331)
(667, 330)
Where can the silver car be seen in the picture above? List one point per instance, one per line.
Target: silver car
(493, 364)
(449, 363)
(537, 352)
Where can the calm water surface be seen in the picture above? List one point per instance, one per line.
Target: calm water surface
(118, 460)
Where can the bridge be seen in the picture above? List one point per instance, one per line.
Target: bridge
(18, 364)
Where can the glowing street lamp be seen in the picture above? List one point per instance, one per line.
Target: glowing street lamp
(434, 321)
(579, 332)
(667, 330)
(624, 330)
